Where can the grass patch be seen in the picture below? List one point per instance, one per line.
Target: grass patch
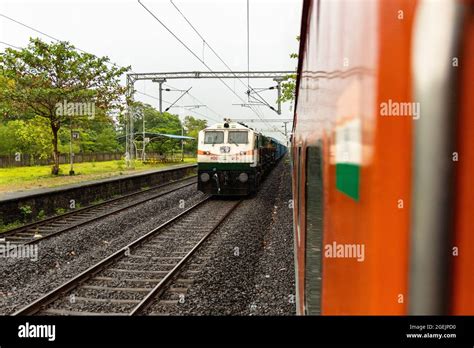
(60, 211)
(10, 226)
(25, 178)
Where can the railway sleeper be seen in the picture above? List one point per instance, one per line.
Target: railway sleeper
(137, 280)
(106, 288)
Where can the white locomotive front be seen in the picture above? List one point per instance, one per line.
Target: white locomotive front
(228, 159)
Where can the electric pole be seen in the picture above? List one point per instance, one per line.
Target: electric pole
(143, 137)
(182, 143)
(160, 84)
(71, 154)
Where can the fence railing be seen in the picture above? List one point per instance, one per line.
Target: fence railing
(25, 160)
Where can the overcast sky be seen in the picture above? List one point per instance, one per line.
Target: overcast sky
(128, 35)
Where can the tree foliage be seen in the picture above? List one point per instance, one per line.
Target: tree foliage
(38, 78)
(165, 123)
(288, 87)
(193, 126)
(32, 137)
(39, 83)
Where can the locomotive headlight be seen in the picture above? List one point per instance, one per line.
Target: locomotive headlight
(243, 177)
(205, 177)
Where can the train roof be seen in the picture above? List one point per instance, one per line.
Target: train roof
(237, 125)
(231, 125)
(277, 141)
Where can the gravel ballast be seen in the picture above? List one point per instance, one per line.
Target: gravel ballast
(245, 268)
(251, 270)
(64, 256)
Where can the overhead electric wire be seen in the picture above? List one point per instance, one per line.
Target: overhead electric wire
(248, 48)
(199, 102)
(111, 63)
(262, 100)
(182, 95)
(31, 28)
(151, 96)
(193, 53)
(197, 57)
(204, 40)
(52, 37)
(188, 109)
(203, 115)
(7, 44)
(81, 50)
(249, 88)
(186, 46)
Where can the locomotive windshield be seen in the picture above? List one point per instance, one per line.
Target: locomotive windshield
(238, 137)
(213, 137)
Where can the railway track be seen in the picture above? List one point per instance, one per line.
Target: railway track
(130, 280)
(47, 228)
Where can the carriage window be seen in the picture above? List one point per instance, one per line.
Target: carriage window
(213, 137)
(238, 137)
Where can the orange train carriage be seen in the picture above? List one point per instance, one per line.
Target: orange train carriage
(383, 156)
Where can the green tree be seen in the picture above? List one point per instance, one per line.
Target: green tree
(102, 138)
(31, 137)
(35, 137)
(156, 122)
(193, 126)
(8, 141)
(106, 141)
(41, 77)
(288, 87)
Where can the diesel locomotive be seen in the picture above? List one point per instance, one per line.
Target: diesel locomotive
(233, 158)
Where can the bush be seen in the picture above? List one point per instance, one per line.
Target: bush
(60, 211)
(25, 211)
(41, 215)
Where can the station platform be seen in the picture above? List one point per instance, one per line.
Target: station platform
(50, 201)
(7, 196)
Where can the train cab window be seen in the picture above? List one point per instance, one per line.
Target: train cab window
(213, 137)
(238, 137)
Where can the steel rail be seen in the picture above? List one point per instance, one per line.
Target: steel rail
(37, 305)
(162, 285)
(56, 219)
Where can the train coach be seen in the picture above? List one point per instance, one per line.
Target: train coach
(233, 159)
(383, 156)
